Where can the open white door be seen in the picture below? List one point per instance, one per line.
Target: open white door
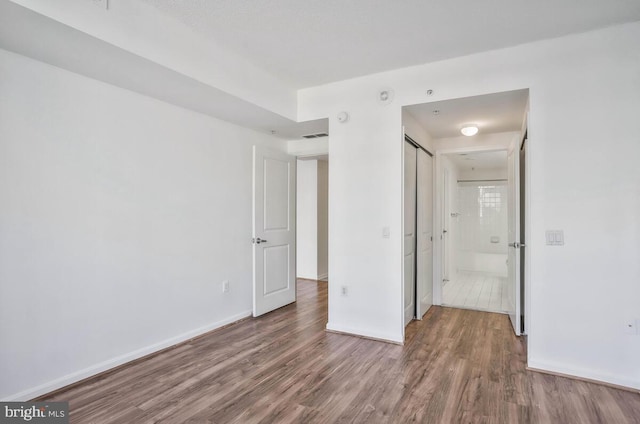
(274, 236)
(513, 284)
(409, 232)
(424, 266)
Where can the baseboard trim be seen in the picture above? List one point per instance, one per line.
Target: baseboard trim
(311, 280)
(607, 381)
(350, 331)
(323, 277)
(111, 365)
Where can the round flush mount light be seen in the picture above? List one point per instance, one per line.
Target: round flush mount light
(385, 96)
(469, 130)
(343, 117)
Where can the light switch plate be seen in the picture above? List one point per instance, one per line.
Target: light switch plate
(386, 232)
(554, 237)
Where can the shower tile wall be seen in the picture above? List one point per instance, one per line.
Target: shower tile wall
(482, 228)
(479, 279)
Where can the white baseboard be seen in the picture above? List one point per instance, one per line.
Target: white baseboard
(65, 380)
(364, 333)
(581, 373)
(313, 277)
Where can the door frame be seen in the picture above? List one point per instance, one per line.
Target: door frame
(438, 212)
(526, 211)
(445, 262)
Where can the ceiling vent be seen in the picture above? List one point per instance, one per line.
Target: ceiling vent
(318, 135)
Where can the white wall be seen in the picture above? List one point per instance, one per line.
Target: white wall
(323, 220)
(308, 147)
(312, 219)
(479, 174)
(584, 180)
(142, 29)
(121, 216)
(307, 219)
(416, 131)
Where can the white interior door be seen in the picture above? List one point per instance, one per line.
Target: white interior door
(410, 155)
(424, 267)
(513, 285)
(274, 211)
(446, 220)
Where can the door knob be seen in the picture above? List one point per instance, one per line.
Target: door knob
(258, 240)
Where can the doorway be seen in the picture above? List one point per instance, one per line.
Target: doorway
(475, 227)
(478, 259)
(312, 222)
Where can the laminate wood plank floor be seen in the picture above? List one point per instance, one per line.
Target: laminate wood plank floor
(457, 366)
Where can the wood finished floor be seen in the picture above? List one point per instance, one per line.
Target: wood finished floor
(458, 366)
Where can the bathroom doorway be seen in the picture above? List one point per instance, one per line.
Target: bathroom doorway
(475, 218)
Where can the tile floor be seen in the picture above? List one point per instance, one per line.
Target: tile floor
(476, 290)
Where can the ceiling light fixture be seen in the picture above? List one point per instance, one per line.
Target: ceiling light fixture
(469, 130)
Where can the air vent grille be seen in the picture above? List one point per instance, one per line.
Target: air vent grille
(318, 135)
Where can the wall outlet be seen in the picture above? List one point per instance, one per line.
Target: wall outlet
(225, 286)
(631, 327)
(344, 290)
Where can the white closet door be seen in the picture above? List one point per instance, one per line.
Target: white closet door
(410, 153)
(424, 232)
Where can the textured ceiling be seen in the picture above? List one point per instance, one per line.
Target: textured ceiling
(311, 42)
(492, 113)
